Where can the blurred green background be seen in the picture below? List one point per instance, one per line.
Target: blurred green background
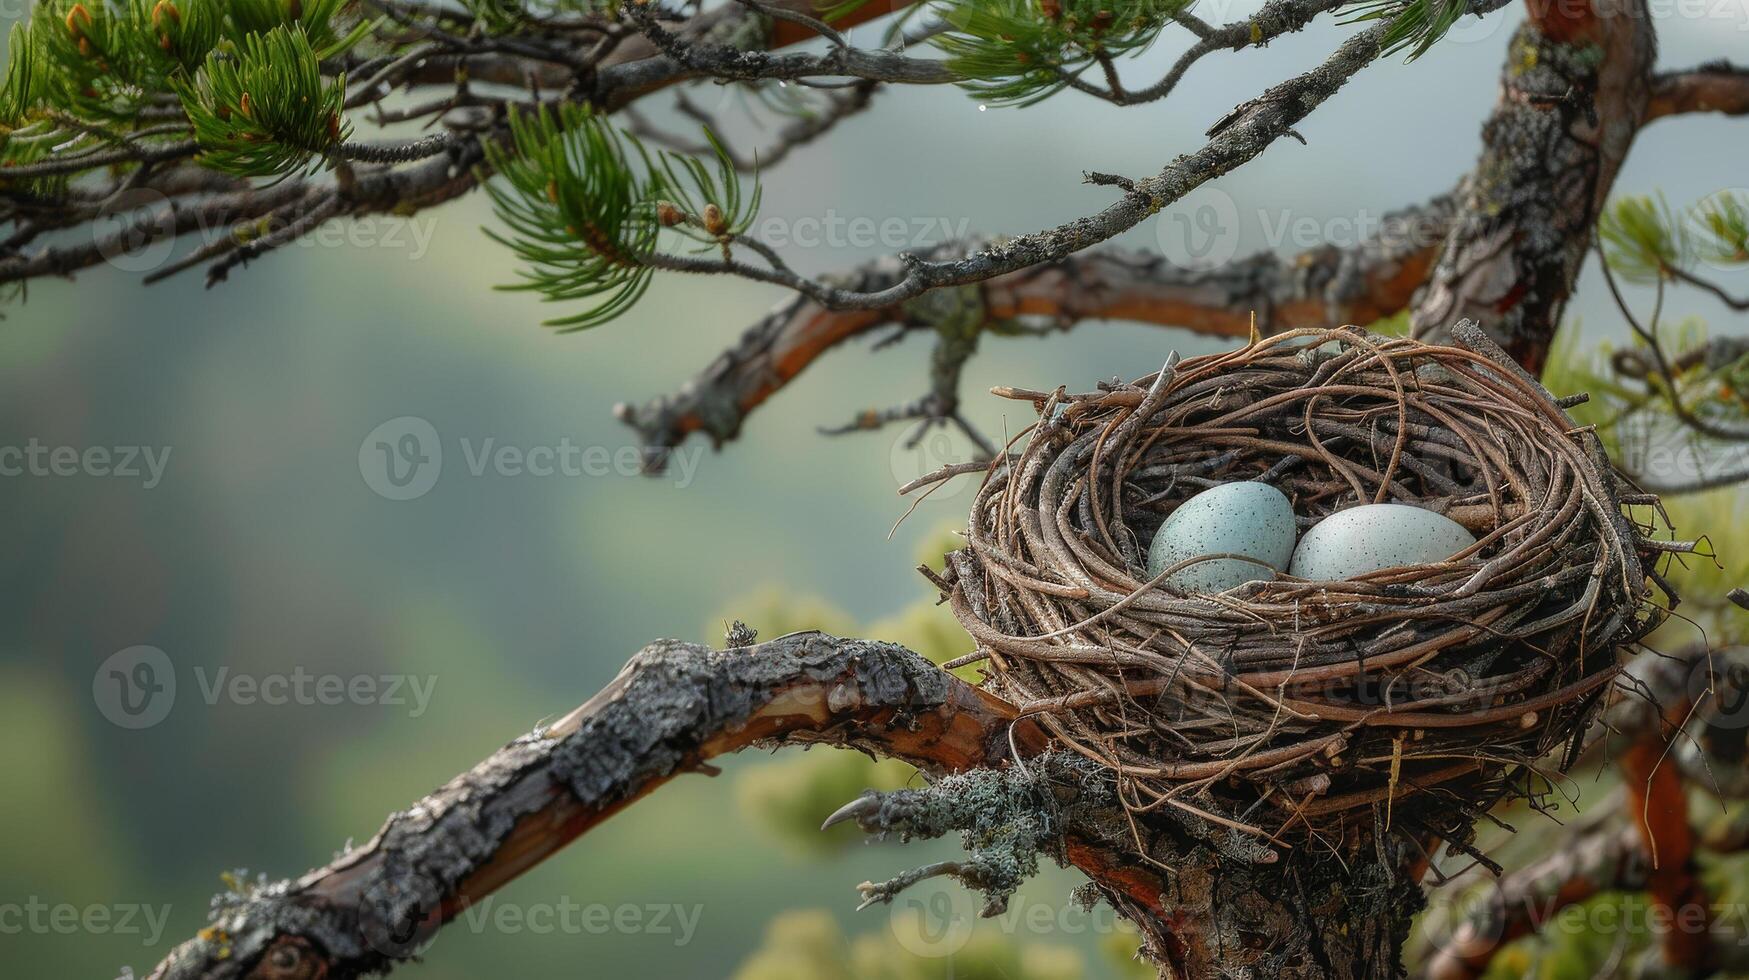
(263, 549)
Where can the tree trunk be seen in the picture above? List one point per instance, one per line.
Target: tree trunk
(1309, 917)
(1575, 90)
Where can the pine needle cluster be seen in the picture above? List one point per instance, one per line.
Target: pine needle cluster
(586, 204)
(1019, 52)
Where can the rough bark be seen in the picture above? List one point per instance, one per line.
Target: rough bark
(672, 708)
(1575, 90)
(1312, 916)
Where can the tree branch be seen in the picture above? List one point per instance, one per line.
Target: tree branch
(1324, 285)
(1651, 720)
(672, 708)
(1608, 858)
(1717, 86)
(1653, 852)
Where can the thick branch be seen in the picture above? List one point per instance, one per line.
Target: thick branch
(673, 707)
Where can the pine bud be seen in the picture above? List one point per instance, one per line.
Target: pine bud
(334, 127)
(1102, 20)
(165, 9)
(553, 191)
(78, 21)
(1052, 9)
(668, 214)
(244, 105)
(294, 9)
(713, 220)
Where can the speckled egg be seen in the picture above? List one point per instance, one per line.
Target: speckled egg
(1244, 518)
(1370, 537)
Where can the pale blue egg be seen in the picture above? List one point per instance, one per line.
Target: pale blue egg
(1245, 518)
(1371, 537)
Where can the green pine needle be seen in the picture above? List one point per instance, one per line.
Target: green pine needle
(583, 201)
(316, 17)
(264, 109)
(1417, 24)
(101, 60)
(1642, 240)
(577, 214)
(1019, 52)
(1721, 225)
(22, 85)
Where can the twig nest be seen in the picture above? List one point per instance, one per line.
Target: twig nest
(1277, 705)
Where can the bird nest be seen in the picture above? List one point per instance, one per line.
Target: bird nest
(1288, 706)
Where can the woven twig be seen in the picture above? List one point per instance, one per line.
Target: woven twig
(1285, 706)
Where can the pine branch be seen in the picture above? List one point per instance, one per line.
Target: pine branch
(1238, 138)
(265, 109)
(676, 706)
(225, 114)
